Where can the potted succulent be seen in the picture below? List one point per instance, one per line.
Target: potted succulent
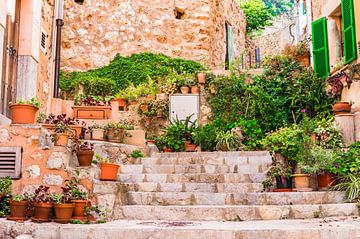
(92, 107)
(42, 204)
(97, 132)
(61, 136)
(78, 197)
(108, 171)
(115, 131)
(84, 152)
(23, 112)
(63, 206)
(18, 208)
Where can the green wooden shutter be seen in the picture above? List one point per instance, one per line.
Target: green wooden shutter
(320, 47)
(348, 21)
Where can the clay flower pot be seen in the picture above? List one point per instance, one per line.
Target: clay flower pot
(18, 210)
(201, 78)
(61, 139)
(150, 142)
(190, 147)
(79, 209)
(23, 113)
(97, 134)
(168, 150)
(42, 211)
(85, 157)
(195, 89)
(184, 89)
(122, 103)
(341, 108)
(326, 180)
(302, 181)
(108, 171)
(63, 212)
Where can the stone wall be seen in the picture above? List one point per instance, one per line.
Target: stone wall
(317, 8)
(93, 33)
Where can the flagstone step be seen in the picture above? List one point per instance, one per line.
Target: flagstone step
(213, 154)
(195, 187)
(201, 198)
(196, 178)
(235, 213)
(191, 168)
(330, 228)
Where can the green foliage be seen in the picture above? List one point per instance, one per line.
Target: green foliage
(32, 101)
(206, 137)
(5, 185)
(348, 162)
(252, 133)
(99, 86)
(278, 7)
(329, 134)
(227, 141)
(350, 183)
(124, 72)
(257, 15)
(137, 154)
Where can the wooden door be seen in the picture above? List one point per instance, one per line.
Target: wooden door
(11, 44)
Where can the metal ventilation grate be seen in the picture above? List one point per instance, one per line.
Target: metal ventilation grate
(43, 41)
(10, 162)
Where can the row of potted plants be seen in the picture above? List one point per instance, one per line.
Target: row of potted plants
(113, 131)
(71, 204)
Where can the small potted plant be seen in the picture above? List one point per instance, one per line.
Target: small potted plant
(61, 136)
(181, 83)
(115, 131)
(42, 204)
(78, 197)
(63, 206)
(97, 132)
(283, 176)
(18, 208)
(51, 120)
(201, 77)
(191, 82)
(84, 152)
(108, 171)
(150, 139)
(23, 112)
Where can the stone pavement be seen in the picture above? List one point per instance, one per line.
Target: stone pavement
(330, 228)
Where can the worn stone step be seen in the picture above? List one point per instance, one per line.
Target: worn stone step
(213, 154)
(195, 187)
(329, 228)
(201, 198)
(235, 213)
(191, 168)
(196, 178)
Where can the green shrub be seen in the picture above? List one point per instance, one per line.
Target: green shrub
(137, 154)
(348, 162)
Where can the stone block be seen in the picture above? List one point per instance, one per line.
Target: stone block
(55, 160)
(34, 171)
(4, 136)
(53, 179)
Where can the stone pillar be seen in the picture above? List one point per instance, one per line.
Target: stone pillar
(347, 127)
(356, 111)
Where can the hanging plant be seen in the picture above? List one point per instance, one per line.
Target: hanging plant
(354, 71)
(337, 83)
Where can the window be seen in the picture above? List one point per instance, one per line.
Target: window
(10, 162)
(320, 47)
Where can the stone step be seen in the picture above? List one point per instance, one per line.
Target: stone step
(235, 213)
(199, 155)
(194, 187)
(329, 228)
(191, 168)
(201, 198)
(195, 178)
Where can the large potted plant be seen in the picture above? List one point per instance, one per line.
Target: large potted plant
(63, 205)
(61, 136)
(23, 112)
(18, 208)
(43, 204)
(84, 152)
(108, 171)
(97, 132)
(78, 197)
(92, 107)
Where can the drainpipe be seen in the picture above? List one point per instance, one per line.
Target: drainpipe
(59, 24)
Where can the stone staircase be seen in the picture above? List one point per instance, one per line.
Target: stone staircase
(210, 187)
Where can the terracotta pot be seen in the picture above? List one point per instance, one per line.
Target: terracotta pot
(108, 171)
(304, 60)
(341, 108)
(150, 97)
(23, 113)
(122, 103)
(91, 112)
(18, 210)
(97, 134)
(302, 180)
(79, 209)
(313, 138)
(116, 135)
(150, 142)
(143, 107)
(42, 211)
(184, 89)
(326, 180)
(77, 129)
(133, 102)
(201, 78)
(61, 139)
(85, 157)
(190, 147)
(168, 150)
(195, 89)
(63, 212)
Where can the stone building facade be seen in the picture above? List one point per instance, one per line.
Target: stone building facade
(197, 30)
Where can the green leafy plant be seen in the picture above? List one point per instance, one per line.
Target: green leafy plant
(5, 185)
(32, 101)
(251, 131)
(257, 15)
(137, 154)
(72, 188)
(227, 141)
(347, 162)
(100, 159)
(350, 183)
(62, 128)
